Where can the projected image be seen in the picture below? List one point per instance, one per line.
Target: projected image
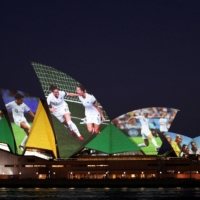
(21, 109)
(194, 146)
(145, 126)
(179, 143)
(73, 127)
(78, 130)
(59, 108)
(93, 113)
(7, 142)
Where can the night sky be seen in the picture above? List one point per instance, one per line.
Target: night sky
(129, 54)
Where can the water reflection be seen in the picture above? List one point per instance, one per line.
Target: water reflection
(98, 193)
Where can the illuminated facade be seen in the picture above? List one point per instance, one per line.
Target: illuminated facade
(48, 145)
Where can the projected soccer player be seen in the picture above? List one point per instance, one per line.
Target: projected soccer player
(145, 131)
(184, 150)
(59, 108)
(169, 139)
(176, 144)
(18, 108)
(163, 122)
(194, 149)
(92, 111)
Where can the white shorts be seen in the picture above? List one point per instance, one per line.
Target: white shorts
(60, 112)
(93, 119)
(145, 133)
(18, 121)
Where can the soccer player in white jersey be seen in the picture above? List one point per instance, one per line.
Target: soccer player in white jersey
(163, 122)
(60, 109)
(93, 113)
(145, 131)
(18, 108)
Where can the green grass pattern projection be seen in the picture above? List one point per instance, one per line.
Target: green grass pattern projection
(69, 144)
(19, 135)
(6, 135)
(111, 140)
(149, 150)
(48, 75)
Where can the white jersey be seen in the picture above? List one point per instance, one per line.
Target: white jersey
(145, 131)
(163, 124)
(191, 151)
(61, 107)
(144, 122)
(56, 102)
(17, 110)
(88, 103)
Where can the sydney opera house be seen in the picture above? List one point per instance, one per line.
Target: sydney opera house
(42, 139)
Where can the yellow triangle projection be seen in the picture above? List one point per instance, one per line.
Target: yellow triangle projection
(41, 135)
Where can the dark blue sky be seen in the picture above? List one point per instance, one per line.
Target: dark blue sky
(129, 54)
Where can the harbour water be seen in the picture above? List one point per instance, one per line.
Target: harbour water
(99, 193)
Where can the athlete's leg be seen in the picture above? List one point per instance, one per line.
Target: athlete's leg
(150, 136)
(96, 128)
(90, 128)
(145, 138)
(71, 125)
(145, 144)
(66, 125)
(26, 128)
(23, 143)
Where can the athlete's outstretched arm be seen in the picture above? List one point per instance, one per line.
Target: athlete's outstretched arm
(130, 119)
(72, 94)
(133, 117)
(8, 105)
(31, 113)
(157, 117)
